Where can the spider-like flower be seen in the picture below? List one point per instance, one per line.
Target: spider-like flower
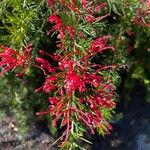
(100, 45)
(60, 27)
(51, 3)
(142, 15)
(11, 59)
(48, 85)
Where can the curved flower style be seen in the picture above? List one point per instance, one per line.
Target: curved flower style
(60, 27)
(12, 59)
(48, 85)
(90, 9)
(100, 45)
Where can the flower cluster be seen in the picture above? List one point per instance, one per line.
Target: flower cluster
(78, 90)
(90, 9)
(11, 59)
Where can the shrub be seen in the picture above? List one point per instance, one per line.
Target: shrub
(79, 46)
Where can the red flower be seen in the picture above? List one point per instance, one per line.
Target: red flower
(72, 6)
(92, 120)
(73, 82)
(44, 64)
(101, 101)
(67, 65)
(84, 3)
(12, 59)
(92, 79)
(48, 85)
(60, 27)
(99, 45)
(51, 3)
(55, 19)
(142, 15)
(70, 31)
(90, 9)
(53, 101)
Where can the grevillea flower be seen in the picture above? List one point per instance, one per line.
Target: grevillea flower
(90, 9)
(92, 79)
(100, 100)
(60, 27)
(48, 85)
(73, 82)
(51, 3)
(72, 5)
(142, 15)
(67, 65)
(84, 3)
(53, 101)
(12, 59)
(44, 65)
(100, 45)
(55, 19)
